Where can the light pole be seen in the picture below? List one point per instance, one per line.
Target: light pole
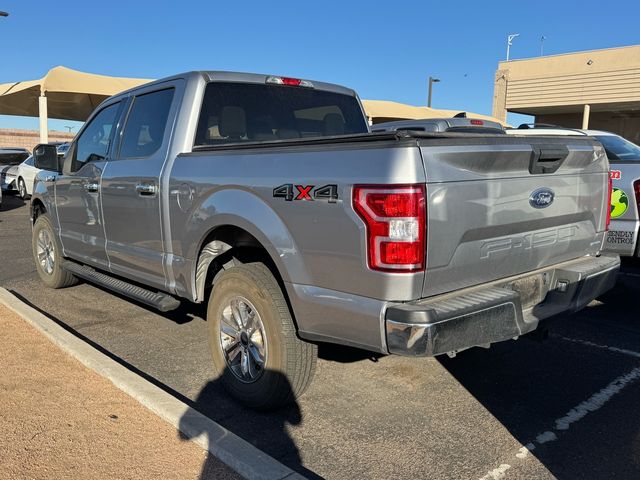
(510, 42)
(431, 82)
(542, 39)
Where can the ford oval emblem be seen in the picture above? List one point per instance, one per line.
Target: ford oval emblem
(541, 198)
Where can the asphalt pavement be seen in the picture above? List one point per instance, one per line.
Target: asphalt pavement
(563, 407)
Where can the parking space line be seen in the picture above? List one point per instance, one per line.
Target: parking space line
(628, 274)
(577, 413)
(497, 473)
(588, 343)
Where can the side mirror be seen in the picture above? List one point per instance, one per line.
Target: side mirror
(45, 157)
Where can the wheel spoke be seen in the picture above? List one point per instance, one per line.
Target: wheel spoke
(244, 363)
(250, 322)
(236, 313)
(229, 330)
(255, 355)
(233, 352)
(230, 346)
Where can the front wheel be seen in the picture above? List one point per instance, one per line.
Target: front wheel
(47, 254)
(22, 189)
(256, 352)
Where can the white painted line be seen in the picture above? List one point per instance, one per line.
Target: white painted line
(580, 411)
(497, 473)
(525, 451)
(546, 437)
(597, 401)
(629, 274)
(588, 343)
(238, 454)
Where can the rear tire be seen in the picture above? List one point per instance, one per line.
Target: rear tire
(249, 322)
(22, 189)
(47, 253)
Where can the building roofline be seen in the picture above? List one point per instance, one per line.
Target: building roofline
(568, 53)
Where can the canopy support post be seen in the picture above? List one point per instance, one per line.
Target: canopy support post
(585, 116)
(42, 111)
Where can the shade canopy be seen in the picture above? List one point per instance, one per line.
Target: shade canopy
(71, 95)
(384, 111)
(68, 94)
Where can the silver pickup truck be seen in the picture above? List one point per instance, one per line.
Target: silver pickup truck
(268, 198)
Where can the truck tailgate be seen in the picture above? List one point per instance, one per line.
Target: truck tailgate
(498, 207)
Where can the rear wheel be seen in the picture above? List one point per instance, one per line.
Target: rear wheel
(256, 352)
(22, 189)
(47, 254)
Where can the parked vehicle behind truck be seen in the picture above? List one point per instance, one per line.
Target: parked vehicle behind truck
(268, 198)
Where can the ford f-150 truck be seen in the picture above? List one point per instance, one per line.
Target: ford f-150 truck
(268, 198)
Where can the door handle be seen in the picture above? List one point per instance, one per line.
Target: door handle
(146, 188)
(91, 187)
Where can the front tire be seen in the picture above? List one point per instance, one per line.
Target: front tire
(22, 189)
(255, 349)
(47, 253)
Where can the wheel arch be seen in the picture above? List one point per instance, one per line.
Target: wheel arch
(222, 247)
(37, 209)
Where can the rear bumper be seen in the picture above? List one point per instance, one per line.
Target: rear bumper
(497, 312)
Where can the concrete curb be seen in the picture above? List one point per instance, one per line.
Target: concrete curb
(238, 454)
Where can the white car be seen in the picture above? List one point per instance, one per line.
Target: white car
(19, 178)
(25, 174)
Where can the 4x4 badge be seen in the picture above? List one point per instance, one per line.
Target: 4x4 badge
(290, 191)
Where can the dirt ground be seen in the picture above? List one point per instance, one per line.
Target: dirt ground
(59, 419)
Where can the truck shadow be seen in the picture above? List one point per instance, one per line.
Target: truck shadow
(529, 385)
(272, 439)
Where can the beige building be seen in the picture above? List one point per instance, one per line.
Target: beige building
(598, 89)
(13, 137)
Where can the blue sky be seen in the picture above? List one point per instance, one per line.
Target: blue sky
(383, 50)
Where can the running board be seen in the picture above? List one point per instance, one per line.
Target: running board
(159, 300)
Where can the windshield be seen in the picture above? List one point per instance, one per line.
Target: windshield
(13, 158)
(618, 149)
(244, 112)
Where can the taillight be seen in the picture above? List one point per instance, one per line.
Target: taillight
(609, 208)
(636, 188)
(477, 122)
(395, 216)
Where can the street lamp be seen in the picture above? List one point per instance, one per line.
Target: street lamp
(4, 14)
(510, 42)
(431, 82)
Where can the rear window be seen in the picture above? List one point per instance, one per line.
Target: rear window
(13, 158)
(618, 149)
(243, 112)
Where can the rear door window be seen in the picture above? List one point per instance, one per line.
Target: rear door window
(147, 120)
(245, 112)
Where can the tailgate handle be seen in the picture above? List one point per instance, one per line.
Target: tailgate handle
(547, 159)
